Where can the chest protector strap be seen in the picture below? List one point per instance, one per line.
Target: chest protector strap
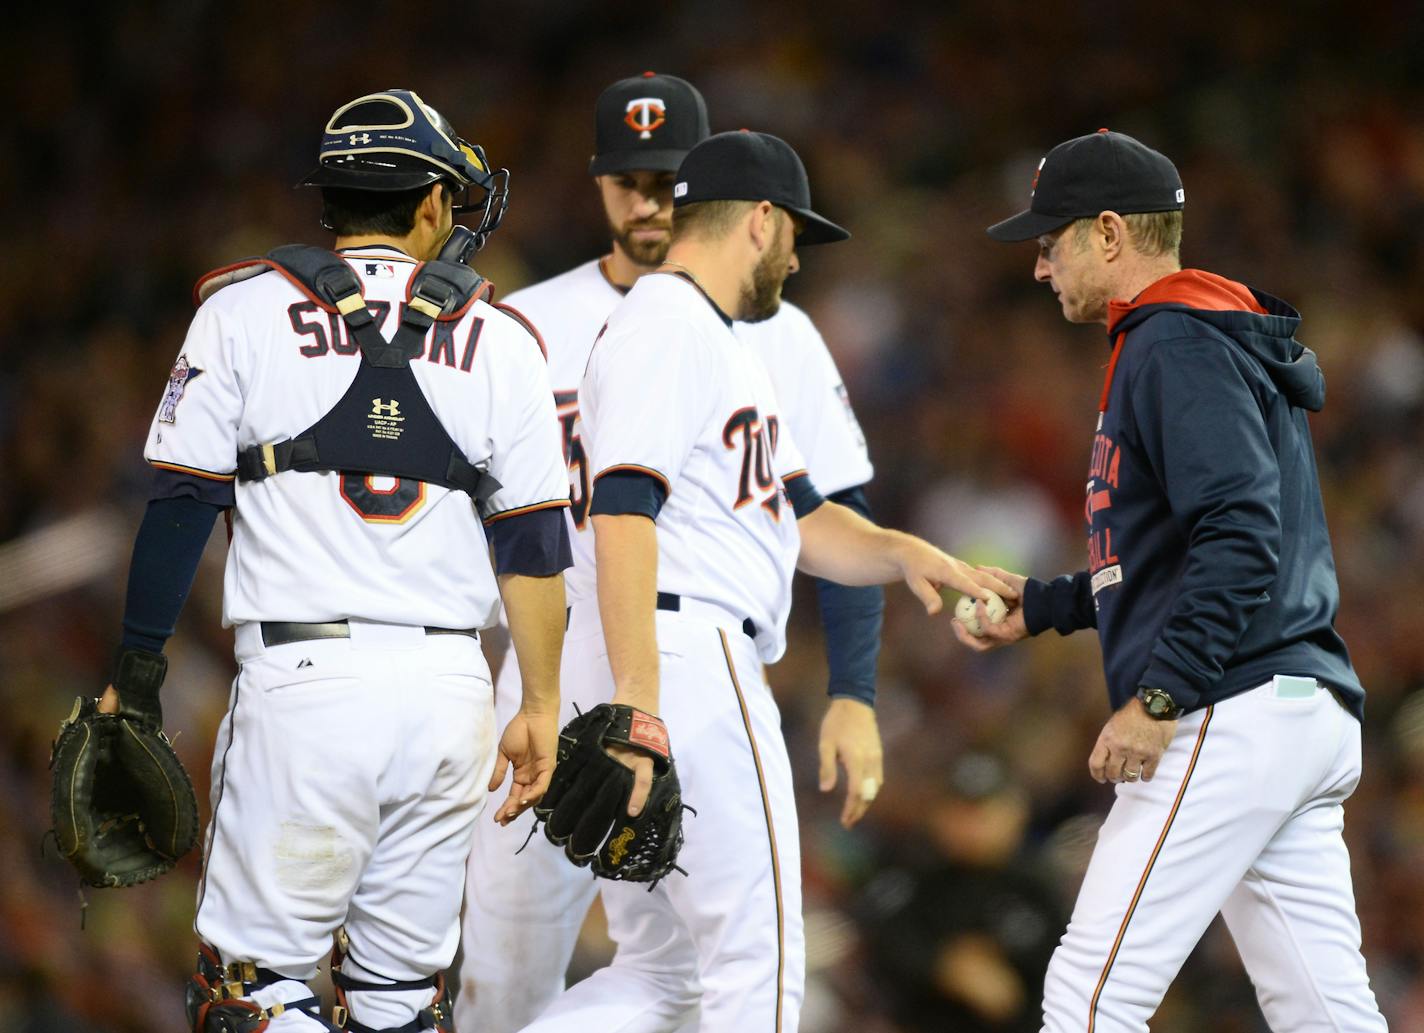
(383, 424)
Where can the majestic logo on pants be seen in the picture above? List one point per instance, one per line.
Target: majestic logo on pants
(645, 115)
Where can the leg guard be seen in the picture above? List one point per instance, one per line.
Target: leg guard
(216, 996)
(436, 1016)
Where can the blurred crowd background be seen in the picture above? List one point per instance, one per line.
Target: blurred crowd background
(148, 143)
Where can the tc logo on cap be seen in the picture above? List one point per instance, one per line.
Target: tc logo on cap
(644, 115)
(1033, 187)
(680, 190)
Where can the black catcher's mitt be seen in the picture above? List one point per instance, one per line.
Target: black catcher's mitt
(585, 810)
(123, 807)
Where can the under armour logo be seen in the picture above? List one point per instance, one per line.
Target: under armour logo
(645, 115)
(360, 138)
(390, 409)
(306, 662)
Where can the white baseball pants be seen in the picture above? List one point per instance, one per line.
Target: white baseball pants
(1244, 817)
(523, 914)
(722, 947)
(346, 781)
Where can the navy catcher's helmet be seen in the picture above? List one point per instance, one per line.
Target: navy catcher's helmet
(393, 141)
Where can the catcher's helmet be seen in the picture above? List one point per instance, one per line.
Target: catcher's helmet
(393, 140)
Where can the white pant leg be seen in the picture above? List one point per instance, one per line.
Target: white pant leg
(730, 932)
(349, 776)
(651, 984)
(522, 913)
(1173, 850)
(742, 897)
(1293, 915)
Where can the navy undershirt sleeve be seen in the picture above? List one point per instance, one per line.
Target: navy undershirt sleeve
(166, 552)
(534, 544)
(805, 499)
(174, 484)
(621, 492)
(852, 620)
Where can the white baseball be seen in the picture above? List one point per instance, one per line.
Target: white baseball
(967, 614)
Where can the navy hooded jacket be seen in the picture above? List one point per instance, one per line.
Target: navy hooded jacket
(1209, 562)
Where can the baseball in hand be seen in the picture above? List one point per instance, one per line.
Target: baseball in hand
(967, 614)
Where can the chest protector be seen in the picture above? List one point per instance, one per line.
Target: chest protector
(383, 424)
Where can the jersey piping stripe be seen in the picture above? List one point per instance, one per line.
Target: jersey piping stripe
(205, 474)
(603, 271)
(524, 321)
(222, 785)
(634, 468)
(1151, 862)
(793, 475)
(770, 831)
(506, 514)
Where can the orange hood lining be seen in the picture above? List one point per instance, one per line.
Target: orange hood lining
(1192, 288)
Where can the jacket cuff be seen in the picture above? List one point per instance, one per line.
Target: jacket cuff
(1161, 675)
(1037, 609)
(1065, 604)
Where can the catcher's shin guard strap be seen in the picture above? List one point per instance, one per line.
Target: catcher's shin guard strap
(436, 1015)
(216, 996)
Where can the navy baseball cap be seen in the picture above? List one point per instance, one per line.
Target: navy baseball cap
(747, 166)
(649, 122)
(1100, 172)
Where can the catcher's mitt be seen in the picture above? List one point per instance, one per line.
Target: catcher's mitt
(585, 810)
(123, 807)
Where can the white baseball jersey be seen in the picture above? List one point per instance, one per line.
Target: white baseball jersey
(569, 311)
(521, 921)
(262, 363)
(814, 401)
(672, 392)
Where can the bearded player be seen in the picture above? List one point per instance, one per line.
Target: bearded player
(701, 511)
(520, 927)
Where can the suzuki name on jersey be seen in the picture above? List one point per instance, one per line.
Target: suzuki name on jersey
(328, 335)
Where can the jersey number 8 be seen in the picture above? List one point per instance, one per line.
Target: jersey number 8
(382, 500)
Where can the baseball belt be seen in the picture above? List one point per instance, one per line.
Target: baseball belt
(674, 603)
(284, 633)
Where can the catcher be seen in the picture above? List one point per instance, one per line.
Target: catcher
(342, 410)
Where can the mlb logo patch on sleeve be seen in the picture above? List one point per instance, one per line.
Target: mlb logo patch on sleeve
(177, 384)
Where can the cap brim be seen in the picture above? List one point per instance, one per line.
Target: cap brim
(817, 230)
(1026, 226)
(635, 161)
(367, 179)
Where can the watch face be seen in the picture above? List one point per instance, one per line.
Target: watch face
(1158, 703)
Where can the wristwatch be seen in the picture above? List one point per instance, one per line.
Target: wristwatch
(1158, 704)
